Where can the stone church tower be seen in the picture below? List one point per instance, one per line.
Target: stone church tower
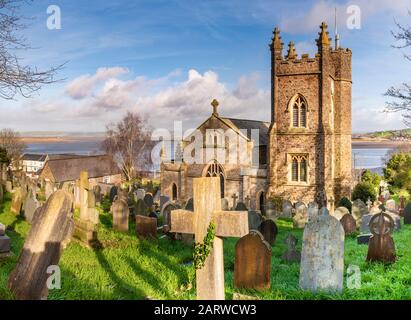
(309, 150)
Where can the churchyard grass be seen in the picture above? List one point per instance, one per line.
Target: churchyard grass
(129, 268)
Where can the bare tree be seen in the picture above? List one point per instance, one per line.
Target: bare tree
(12, 143)
(129, 142)
(402, 95)
(16, 78)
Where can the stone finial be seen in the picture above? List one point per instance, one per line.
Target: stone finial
(215, 105)
(163, 153)
(276, 45)
(324, 39)
(292, 54)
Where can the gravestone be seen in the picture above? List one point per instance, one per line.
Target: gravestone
(148, 200)
(48, 189)
(9, 186)
(121, 213)
(167, 213)
(207, 204)
(269, 230)
(113, 193)
(141, 209)
(390, 205)
(2, 229)
(301, 216)
(349, 224)
(1, 194)
(140, 194)
(407, 214)
(365, 223)
(235, 198)
(397, 221)
(252, 266)
(5, 243)
(402, 206)
(381, 246)
(98, 194)
(312, 211)
(359, 209)
(163, 201)
(190, 205)
(30, 207)
(322, 258)
(292, 254)
(146, 227)
(287, 209)
(16, 201)
(254, 220)
(241, 207)
(50, 232)
(93, 214)
(340, 212)
(224, 204)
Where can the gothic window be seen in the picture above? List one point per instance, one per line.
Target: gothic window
(299, 112)
(299, 168)
(215, 170)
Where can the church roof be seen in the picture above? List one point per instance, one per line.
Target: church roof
(243, 124)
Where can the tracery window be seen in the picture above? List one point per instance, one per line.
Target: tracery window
(299, 168)
(299, 113)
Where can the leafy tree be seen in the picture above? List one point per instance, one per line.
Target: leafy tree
(398, 172)
(363, 191)
(4, 158)
(12, 143)
(346, 203)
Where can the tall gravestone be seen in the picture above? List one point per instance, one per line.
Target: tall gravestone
(322, 259)
(269, 230)
(17, 201)
(301, 216)
(43, 247)
(252, 266)
(121, 214)
(30, 206)
(359, 209)
(407, 214)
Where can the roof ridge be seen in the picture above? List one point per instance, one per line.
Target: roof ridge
(77, 157)
(262, 121)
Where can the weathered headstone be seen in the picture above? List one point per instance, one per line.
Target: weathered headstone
(390, 205)
(312, 211)
(30, 206)
(2, 229)
(207, 204)
(43, 247)
(381, 247)
(407, 214)
(98, 194)
(269, 230)
(287, 209)
(349, 224)
(322, 259)
(359, 209)
(121, 214)
(241, 207)
(113, 193)
(148, 200)
(292, 254)
(9, 186)
(166, 213)
(190, 205)
(224, 204)
(140, 194)
(16, 201)
(252, 266)
(365, 223)
(1, 194)
(5, 243)
(93, 214)
(146, 227)
(254, 219)
(340, 212)
(235, 198)
(141, 209)
(48, 189)
(301, 216)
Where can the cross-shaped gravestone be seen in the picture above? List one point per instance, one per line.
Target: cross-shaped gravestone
(235, 198)
(207, 209)
(248, 201)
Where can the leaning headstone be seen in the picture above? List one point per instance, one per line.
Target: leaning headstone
(292, 254)
(340, 212)
(322, 259)
(121, 213)
(269, 230)
(240, 207)
(254, 219)
(349, 224)
(190, 205)
(381, 247)
(146, 227)
(30, 207)
(141, 209)
(407, 214)
(301, 216)
(51, 230)
(252, 266)
(17, 201)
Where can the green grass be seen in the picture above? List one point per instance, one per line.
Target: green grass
(129, 268)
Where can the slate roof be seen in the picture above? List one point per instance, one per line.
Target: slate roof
(249, 125)
(69, 169)
(33, 157)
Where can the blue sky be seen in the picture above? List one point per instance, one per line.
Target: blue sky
(167, 59)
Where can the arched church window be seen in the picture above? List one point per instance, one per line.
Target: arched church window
(299, 168)
(175, 192)
(299, 112)
(215, 170)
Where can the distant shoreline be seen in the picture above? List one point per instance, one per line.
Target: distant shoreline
(45, 140)
(377, 143)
